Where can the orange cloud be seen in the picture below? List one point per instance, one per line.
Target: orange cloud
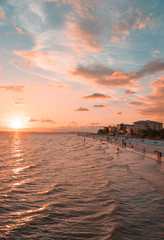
(106, 76)
(119, 113)
(32, 120)
(19, 102)
(154, 102)
(96, 96)
(17, 31)
(12, 88)
(2, 15)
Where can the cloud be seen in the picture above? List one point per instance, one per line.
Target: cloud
(97, 95)
(105, 76)
(33, 120)
(86, 33)
(2, 15)
(19, 102)
(129, 92)
(17, 31)
(99, 106)
(156, 53)
(94, 124)
(119, 113)
(152, 67)
(134, 20)
(23, 63)
(29, 15)
(136, 103)
(40, 59)
(154, 102)
(79, 5)
(81, 109)
(84, 26)
(12, 88)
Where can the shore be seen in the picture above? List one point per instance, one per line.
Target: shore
(147, 147)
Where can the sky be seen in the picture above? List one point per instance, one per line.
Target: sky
(78, 65)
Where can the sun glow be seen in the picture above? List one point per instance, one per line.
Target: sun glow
(16, 123)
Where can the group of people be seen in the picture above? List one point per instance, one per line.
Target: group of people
(159, 154)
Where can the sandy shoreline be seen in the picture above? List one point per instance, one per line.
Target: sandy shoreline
(147, 147)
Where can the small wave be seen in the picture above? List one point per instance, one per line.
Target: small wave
(50, 191)
(30, 211)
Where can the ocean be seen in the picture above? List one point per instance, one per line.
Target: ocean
(62, 186)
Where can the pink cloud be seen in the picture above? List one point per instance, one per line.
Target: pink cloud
(85, 33)
(19, 30)
(156, 53)
(23, 64)
(134, 20)
(2, 15)
(42, 59)
(97, 95)
(119, 113)
(12, 88)
(154, 102)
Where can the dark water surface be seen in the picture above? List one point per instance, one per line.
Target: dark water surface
(55, 186)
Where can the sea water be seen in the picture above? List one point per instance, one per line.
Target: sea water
(62, 186)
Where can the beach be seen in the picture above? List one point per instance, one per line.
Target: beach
(148, 147)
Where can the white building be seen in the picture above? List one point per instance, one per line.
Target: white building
(146, 125)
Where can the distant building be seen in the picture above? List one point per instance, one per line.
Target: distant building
(146, 125)
(124, 128)
(112, 129)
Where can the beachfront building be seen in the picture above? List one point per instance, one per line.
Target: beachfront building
(146, 125)
(125, 128)
(112, 129)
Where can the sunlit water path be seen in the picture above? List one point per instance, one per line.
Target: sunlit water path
(56, 186)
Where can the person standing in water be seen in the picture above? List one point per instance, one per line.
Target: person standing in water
(159, 155)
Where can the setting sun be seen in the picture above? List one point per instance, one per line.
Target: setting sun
(16, 123)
